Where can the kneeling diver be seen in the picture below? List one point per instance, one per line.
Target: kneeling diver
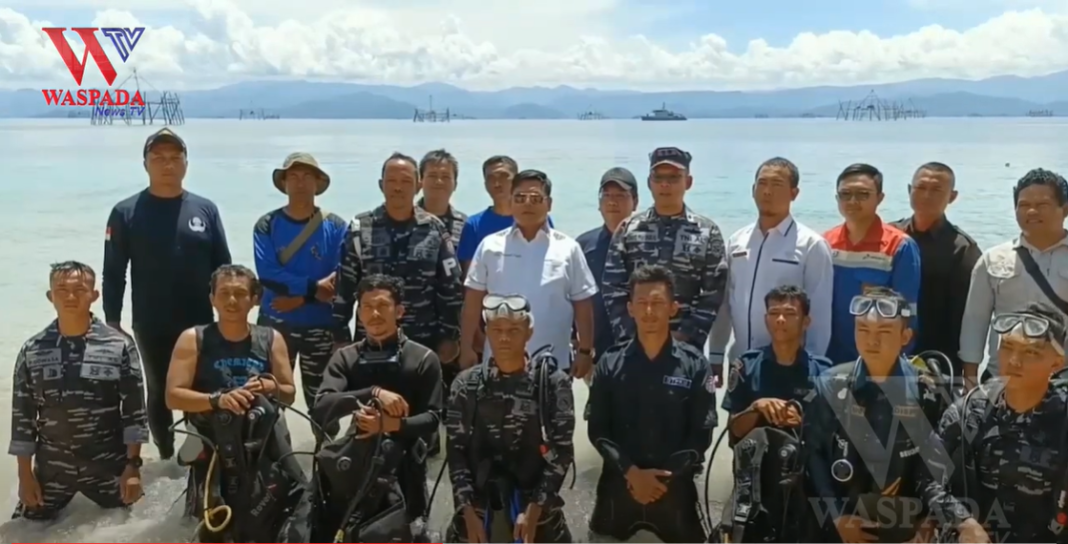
(510, 424)
(243, 481)
(653, 408)
(370, 484)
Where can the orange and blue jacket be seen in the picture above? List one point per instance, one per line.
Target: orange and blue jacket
(886, 257)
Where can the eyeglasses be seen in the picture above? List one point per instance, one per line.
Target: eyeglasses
(888, 308)
(523, 198)
(514, 306)
(859, 196)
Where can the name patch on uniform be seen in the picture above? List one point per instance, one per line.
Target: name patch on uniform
(44, 357)
(677, 381)
(906, 411)
(909, 452)
(94, 371)
(740, 253)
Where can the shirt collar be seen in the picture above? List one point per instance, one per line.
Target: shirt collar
(1021, 242)
(543, 232)
(784, 227)
(941, 227)
(448, 211)
(874, 233)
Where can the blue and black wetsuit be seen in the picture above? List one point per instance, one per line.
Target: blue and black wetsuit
(172, 246)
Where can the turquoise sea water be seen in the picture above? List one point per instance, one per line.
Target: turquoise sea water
(63, 177)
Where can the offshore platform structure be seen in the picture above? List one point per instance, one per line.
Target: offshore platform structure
(873, 108)
(255, 114)
(431, 115)
(162, 105)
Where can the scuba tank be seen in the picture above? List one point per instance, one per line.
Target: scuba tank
(245, 479)
(768, 503)
(355, 493)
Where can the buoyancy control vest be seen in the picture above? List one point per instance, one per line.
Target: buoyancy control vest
(514, 461)
(982, 437)
(247, 481)
(857, 454)
(768, 503)
(355, 493)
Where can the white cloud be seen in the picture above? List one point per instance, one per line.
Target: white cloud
(478, 44)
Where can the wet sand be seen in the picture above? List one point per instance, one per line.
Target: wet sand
(157, 517)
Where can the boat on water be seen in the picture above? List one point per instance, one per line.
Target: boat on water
(663, 114)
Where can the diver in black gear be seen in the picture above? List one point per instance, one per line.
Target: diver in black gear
(875, 464)
(653, 409)
(370, 484)
(764, 394)
(232, 379)
(510, 426)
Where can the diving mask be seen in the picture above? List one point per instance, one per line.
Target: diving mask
(1030, 326)
(509, 306)
(885, 307)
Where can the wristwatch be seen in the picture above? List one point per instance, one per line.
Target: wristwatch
(213, 399)
(134, 462)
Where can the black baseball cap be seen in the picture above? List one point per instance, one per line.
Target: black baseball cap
(669, 155)
(622, 177)
(164, 135)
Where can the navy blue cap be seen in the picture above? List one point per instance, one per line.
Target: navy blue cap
(669, 155)
(622, 177)
(164, 135)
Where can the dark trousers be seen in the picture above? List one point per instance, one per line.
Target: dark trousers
(156, 348)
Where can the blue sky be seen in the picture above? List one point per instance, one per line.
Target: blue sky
(779, 21)
(480, 44)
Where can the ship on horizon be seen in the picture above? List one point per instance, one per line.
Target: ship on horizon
(663, 114)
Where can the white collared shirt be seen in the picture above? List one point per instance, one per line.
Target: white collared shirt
(550, 271)
(789, 254)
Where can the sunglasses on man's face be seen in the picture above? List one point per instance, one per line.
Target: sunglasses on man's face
(528, 198)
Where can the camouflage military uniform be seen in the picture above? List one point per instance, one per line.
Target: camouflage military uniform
(454, 223)
(77, 403)
(418, 253)
(495, 427)
(1014, 463)
(691, 246)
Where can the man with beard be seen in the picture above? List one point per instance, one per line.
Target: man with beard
(172, 241)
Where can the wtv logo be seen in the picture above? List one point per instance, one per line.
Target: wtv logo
(123, 39)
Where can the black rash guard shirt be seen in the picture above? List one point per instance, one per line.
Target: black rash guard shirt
(172, 246)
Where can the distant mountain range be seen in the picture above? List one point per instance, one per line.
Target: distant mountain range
(998, 96)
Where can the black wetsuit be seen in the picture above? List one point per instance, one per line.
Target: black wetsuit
(172, 246)
(400, 366)
(651, 414)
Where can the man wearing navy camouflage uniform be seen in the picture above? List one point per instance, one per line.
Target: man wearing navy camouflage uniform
(672, 235)
(401, 240)
(78, 407)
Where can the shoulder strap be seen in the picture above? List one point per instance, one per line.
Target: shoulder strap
(309, 229)
(1040, 279)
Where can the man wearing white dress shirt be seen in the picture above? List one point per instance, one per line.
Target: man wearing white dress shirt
(774, 251)
(545, 266)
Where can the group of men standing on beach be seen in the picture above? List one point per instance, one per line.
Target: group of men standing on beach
(310, 263)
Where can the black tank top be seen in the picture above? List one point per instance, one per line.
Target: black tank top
(224, 365)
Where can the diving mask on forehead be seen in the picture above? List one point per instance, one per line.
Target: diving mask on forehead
(509, 306)
(876, 307)
(1030, 326)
